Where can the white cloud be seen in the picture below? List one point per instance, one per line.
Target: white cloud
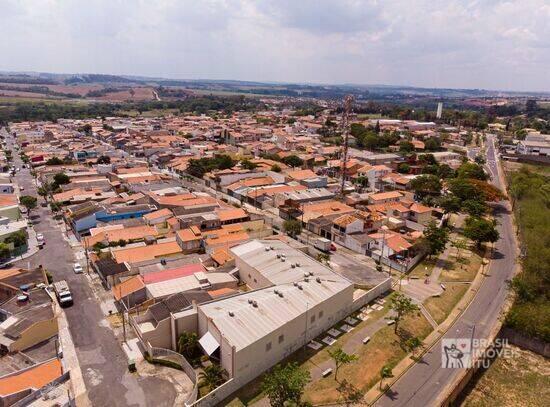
(455, 43)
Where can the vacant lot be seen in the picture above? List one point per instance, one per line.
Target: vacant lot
(520, 380)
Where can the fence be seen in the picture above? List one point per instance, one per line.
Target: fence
(159, 353)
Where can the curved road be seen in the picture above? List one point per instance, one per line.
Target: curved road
(424, 382)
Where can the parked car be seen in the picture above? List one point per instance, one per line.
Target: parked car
(77, 268)
(40, 237)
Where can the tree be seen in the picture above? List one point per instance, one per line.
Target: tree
(87, 129)
(28, 202)
(449, 203)
(412, 344)
(406, 146)
(45, 190)
(4, 251)
(436, 238)
(61, 178)
(471, 170)
(54, 161)
(479, 159)
(425, 185)
(385, 373)
(248, 165)
(402, 306)
(340, 358)
(285, 384)
(188, 345)
(104, 159)
(292, 227)
(212, 376)
(195, 168)
(475, 207)
(403, 168)
(276, 168)
(481, 230)
(432, 144)
(293, 161)
(323, 258)
(18, 238)
(444, 171)
(459, 244)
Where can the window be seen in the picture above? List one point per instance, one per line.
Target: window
(268, 346)
(281, 338)
(312, 319)
(255, 280)
(320, 314)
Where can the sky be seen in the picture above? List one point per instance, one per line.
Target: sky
(487, 44)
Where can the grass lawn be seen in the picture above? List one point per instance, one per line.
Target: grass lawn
(440, 307)
(424, 267)
(362, 374)
(520, 380)
(463, 270)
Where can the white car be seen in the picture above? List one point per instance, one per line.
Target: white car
(21, 188)
(77, 268)
(40, 237)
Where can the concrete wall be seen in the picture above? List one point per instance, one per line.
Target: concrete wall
(36, 333)
(525, 342)
(252, 277)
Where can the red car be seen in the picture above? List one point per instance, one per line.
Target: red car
(332, 247)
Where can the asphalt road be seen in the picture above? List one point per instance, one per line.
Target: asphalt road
(102, 360)
(422, 384)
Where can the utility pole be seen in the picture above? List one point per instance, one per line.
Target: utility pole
(348, 100)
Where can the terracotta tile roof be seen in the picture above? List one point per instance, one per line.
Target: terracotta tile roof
(301, 174)
(222, 292)
(386, 195)
(344, 220)
(158, 214)
(127, 287)
(415, 207)
(149, 252)
(33, 378)
(231, 214)
(187, 235)
(8, 200)
(221, 256)
(114, 235)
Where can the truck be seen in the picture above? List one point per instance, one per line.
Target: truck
(322, 244)
(63, 293)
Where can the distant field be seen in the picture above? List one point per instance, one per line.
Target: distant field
(226, 93)
(366, 116)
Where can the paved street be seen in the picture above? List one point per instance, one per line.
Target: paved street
(422, 384)
(102, 361)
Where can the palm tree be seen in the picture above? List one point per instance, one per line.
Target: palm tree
(212, 376)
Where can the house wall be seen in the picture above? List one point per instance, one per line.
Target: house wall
(161, 336)
(252, 277)
(36, 333)
(186, 321)
(422, 218)
(255, 359)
